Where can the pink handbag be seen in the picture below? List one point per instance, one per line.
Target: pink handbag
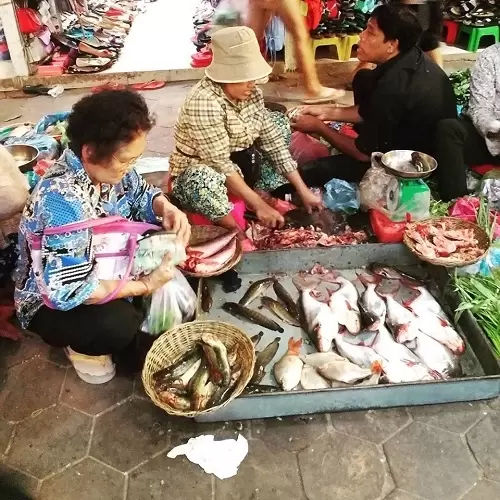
(114, 242)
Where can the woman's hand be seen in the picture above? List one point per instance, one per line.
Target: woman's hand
(161, 275)
(173, 219)
(268, 216)
(311, 201)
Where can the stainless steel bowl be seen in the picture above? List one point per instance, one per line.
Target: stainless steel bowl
(408, 164)
(24, 155)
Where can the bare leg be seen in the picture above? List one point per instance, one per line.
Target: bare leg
(229, 223)
(258, 19)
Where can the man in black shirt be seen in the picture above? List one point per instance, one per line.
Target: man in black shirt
(397, 105)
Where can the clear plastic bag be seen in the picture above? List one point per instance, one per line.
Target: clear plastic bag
(374, 185)
(230, 13)
(172, 304)
(341, 196)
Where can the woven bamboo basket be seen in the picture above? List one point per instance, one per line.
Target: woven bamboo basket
(450, 223)
(201, 234)
(178, 341)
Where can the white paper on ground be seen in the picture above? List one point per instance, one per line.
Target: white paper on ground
(150, 164)
(220, 458)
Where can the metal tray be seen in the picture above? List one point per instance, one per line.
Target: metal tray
(479, 364)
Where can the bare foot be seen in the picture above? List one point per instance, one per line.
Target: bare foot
(325, 94)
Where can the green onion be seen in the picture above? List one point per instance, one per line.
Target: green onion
(481, 296)
(439, 208)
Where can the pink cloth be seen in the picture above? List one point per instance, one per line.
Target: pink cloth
(238, 212)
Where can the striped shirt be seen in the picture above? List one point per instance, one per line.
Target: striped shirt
(210, 127)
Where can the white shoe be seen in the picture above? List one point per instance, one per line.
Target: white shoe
(92, 369)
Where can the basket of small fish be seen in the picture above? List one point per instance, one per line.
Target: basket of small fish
(197, 367)
(446, 241)
(212, 250)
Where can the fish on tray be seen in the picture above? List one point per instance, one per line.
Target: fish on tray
(320, 321)
(256, 289)
(250, 315)
(310, 379)
(262, 359)
(344, 371)
(287, 371)
(279, 310)
(372, 306)
(286, 298)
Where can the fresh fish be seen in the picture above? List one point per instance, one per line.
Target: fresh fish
(286, 298)
(215, 262)
(372, 305)
(392, 273)
(175, 400)
(178, 368)
(249, 314)
(211, 247)
(310, 379)
(316, 359)
(344, 371)
(263, 358)
(348, 290)
(320, 321)
(375, 376)
(288, 369)
(254, 290)
(220, 356)
(344, 312)
(399, 363)
(360, 355)
(259, 389)
(202, 396)
(440, 330)
(223, 392)
(206, 296)
(399, 318)
(422, 302)
(213, 364)
(200, 377)
(435, 355)
(256, 338)
(280, 310)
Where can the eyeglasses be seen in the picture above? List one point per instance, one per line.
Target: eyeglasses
(129, 164)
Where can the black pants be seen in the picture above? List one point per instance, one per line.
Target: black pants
(458, 145)
(94, 330)
(317, 173)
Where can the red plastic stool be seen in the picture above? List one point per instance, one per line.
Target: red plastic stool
(451, 28)
(483, 169)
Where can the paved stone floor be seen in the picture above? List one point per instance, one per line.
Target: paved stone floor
(62, 439)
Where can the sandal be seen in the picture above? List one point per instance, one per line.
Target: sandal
(326, 95)
(151, 85)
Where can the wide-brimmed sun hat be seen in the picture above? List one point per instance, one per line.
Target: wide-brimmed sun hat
(236, 56)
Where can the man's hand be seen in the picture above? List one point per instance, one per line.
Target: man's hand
(311, 201)
(307, 124)
(318, 110)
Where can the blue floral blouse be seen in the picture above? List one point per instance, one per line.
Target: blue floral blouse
(66, 194)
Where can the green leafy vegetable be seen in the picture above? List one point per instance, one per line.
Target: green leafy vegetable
(439, 208)
(481, 296)
(460, 80)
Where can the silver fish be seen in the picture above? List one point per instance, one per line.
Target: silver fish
(321, 322)
(316, 359)
(344, 312)
(435, 355)
(372, 303)
(360, 355)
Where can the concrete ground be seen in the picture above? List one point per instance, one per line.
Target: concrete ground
(62, 439)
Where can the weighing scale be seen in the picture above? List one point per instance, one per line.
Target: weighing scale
(407, 193)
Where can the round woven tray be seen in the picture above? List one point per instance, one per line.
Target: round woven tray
(200, 234)
(175, 343)
(451, 223)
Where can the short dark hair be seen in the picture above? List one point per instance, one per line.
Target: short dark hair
(397, 22)
(107, 119)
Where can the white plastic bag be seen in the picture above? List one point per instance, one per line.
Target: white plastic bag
(172, 304)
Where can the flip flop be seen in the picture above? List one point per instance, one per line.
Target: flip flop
(151, 85)
(333, 95)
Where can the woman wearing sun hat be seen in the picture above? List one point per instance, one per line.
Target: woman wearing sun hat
(227, 142)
